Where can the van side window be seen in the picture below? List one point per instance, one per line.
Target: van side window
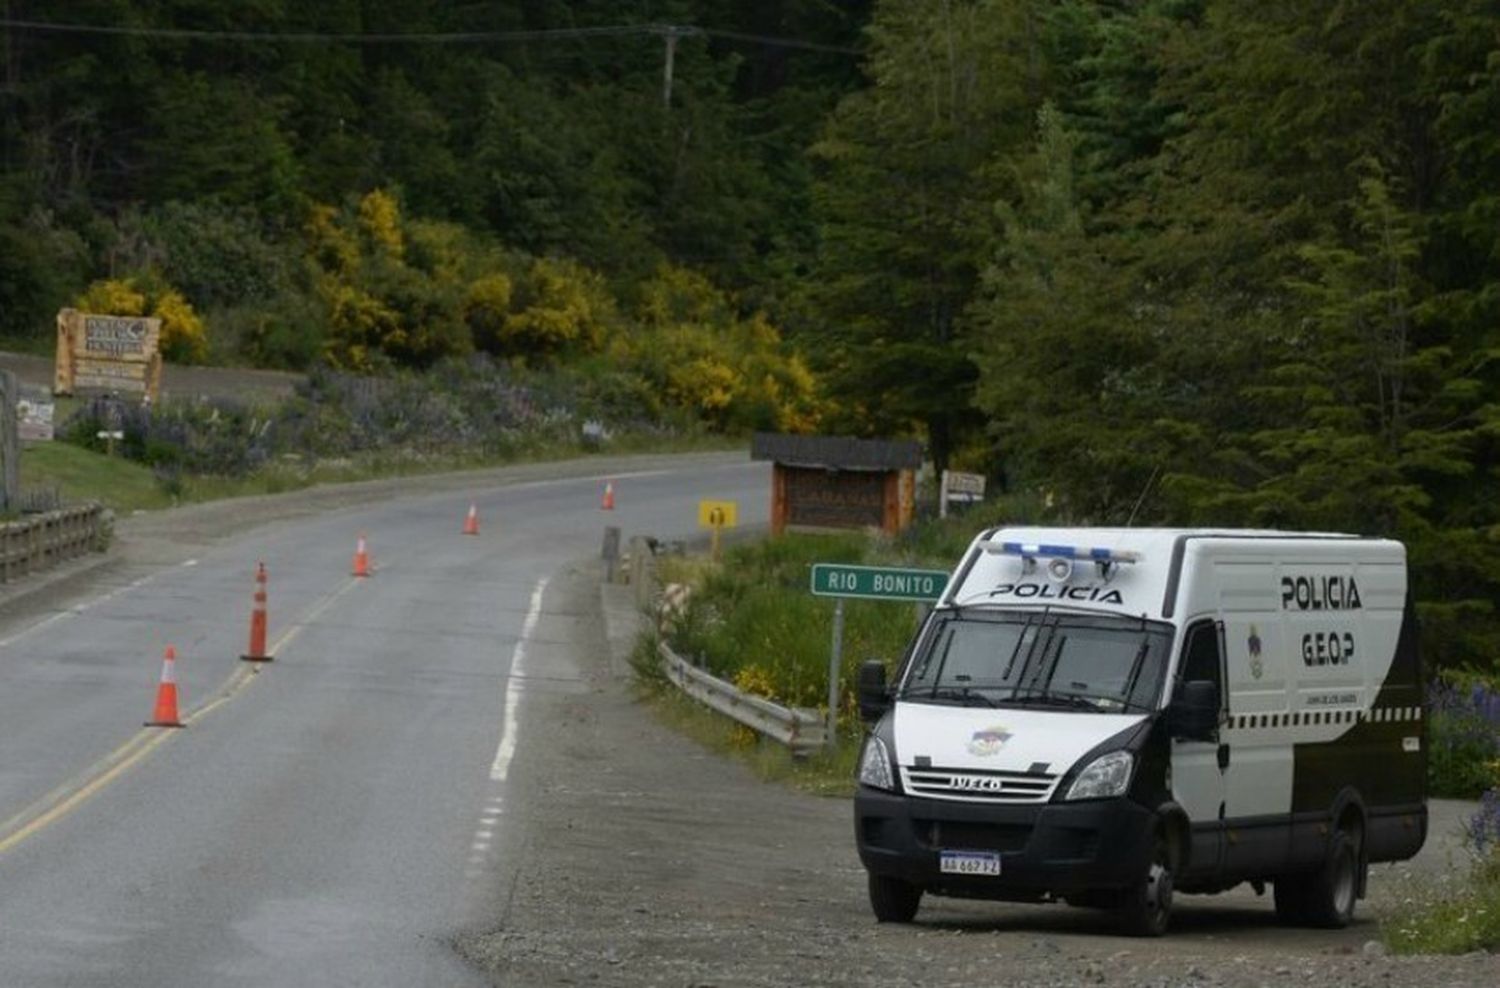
(1201, 658)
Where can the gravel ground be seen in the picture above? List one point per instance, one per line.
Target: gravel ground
(641, 859)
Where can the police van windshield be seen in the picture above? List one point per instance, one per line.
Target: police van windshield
(1100, 663)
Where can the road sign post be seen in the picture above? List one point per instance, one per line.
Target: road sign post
(840, 582)
(717, 516)
(835, 663)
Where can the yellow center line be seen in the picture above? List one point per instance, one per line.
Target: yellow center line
(67, 797)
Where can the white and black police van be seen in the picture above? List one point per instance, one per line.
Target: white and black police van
(1107, 717)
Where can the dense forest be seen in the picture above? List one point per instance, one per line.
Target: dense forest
(1169, 261)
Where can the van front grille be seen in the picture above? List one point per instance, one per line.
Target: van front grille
(978, 786)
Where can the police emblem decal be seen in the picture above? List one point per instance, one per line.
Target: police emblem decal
(988, 741)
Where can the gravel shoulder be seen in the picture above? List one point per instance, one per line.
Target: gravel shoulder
(642, 859)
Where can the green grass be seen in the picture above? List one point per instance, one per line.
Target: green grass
(80, 475)
(822, 773)
(1449, 921)
(752, 619)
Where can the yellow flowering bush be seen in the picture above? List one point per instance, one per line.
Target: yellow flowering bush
(566, 307)
(380, 222)
(184, 337)
(755, 680)
(486, 306)
(112, 297)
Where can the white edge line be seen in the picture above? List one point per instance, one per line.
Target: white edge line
(507, 749)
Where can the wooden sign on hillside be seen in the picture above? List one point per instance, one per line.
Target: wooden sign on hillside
(115, 354)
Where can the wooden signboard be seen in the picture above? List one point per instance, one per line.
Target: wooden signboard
(822, 482)
(115, 354)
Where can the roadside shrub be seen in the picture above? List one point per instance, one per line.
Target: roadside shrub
(105, 414)
(462, 410)
(40, 262)
(752, 620)
(382, 307)
(217, 255)
(1482, 830)
(220, 437)
(564, 306)
(286, 333)
(184, 337)
(112, 297)
(1445, 921)
(1463, 737)
(486, 306)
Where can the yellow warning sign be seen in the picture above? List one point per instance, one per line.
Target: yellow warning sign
(717, 514)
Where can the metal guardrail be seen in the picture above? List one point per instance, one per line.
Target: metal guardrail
(40, 541)
(801, 730)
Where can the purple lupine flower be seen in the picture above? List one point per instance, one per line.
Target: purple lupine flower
(1482, 831)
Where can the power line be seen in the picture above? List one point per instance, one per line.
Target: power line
(420, 37)
(779, 42)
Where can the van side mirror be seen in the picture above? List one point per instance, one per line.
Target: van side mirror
(1194, 713)
(874, 697)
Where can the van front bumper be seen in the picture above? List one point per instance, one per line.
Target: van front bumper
(1051, 850)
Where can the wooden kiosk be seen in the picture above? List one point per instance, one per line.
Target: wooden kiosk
(822, 482)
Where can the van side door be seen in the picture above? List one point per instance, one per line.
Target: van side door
(1200, 768)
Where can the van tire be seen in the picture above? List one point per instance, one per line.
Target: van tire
(893, 900)
(1324, 898)
(1334, 888)
(1145, 908)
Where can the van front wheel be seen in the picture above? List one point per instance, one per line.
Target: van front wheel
(1146, 909)
(893, 900)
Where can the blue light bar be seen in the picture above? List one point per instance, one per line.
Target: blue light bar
(1043, 551)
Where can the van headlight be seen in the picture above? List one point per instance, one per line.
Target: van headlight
(875, 766)
(1107, 775)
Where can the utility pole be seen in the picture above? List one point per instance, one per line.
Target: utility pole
(671, 32)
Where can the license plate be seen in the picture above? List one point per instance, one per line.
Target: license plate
(969, 863)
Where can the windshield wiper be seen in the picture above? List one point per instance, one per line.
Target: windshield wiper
(1135, 668)
(963, 694)
(1045, 698)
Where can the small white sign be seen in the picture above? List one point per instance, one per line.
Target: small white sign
(34, 419)
(959, 488)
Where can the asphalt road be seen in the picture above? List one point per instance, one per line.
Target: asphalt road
(333, 817)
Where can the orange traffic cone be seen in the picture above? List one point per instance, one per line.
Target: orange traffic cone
(608, 504)
(471, 523)
(166, 693)
(361, 558)
(257, 651)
